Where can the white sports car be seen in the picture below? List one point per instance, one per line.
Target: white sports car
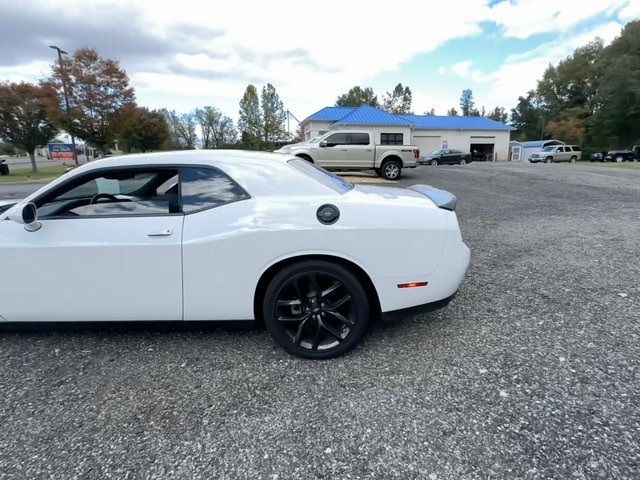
(229, 235)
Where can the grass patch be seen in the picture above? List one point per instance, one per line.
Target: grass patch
(24, 174)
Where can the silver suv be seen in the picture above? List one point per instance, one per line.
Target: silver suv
(557, 153)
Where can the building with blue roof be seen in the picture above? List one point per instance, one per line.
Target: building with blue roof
(481, 136)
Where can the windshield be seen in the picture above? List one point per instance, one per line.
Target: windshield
(314, 140)
(323, 176)
(437, 152)
(547, 149)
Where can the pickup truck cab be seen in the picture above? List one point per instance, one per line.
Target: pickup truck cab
(356, 150)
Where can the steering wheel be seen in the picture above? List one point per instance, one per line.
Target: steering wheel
(106, 196)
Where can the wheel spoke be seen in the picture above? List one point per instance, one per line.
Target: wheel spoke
(301, 318)
(300, 329)
(332, 288)
(331, 331)
(314, 284)
(334, 306)
(342, 318)
(316, 339)
(289, 303)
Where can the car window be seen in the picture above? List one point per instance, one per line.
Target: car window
(203, 187)
(359, 139)
(576, 149)
(336, 139)
(321, 175)
(126, 191)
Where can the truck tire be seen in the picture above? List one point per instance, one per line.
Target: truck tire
(548, 160)
(391, 170)
(619, 159)
(574, 159)
(305, 157)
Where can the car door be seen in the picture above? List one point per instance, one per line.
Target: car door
(332, 150)
(109, 248)
(360, 150)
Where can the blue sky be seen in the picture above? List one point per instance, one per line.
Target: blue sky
(191, 54)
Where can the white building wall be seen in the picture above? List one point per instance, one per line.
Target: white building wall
(462, 140)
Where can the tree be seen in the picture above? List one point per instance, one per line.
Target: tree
(430, 112)
(466, 102)
(143, 130)
(97, 90)
(273, 115)
(250, 121)
(452, 112)
(528, 117)
(357, 97)
(24, 120)
(499, 114)
(569, 129)
(224, 133)
(182, 129)
(398, 101)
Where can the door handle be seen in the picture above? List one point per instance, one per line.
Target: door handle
(161, 233)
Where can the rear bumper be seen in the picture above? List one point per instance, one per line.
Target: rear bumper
(418, 309)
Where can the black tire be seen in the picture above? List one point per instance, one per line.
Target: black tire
(462, 162)
(619, 159)
(316, 309)
(306, 157)
(391, 170)
(434, 161)
(548, 160)
(573, 159)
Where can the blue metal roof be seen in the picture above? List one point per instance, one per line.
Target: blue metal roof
(331, 113)
(366, 114)
(540, 143)
(455, 123)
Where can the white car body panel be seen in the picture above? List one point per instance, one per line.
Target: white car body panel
(208, 269)
(92, 269)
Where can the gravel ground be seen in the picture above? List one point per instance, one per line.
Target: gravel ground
(531, 372)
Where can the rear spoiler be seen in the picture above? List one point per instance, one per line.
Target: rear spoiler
(441, 198)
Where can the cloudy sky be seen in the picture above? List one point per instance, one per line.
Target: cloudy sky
(189, 53)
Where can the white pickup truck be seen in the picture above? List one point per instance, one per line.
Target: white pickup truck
(356, 150)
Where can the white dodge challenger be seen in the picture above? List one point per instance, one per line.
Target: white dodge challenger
(229, 235)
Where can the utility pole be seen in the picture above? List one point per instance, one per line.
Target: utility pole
(66, 97)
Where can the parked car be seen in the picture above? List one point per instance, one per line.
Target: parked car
(356, 150)
(623, 155)
(215, 235)
(557, 153)
(447, 156)
(597, 156)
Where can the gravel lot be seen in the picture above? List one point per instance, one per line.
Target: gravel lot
(531, 372)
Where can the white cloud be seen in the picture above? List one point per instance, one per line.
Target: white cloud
(630, 12)
(524, 18)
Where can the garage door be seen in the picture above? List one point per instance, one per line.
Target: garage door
(427, 143)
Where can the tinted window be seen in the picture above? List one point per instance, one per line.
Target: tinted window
(576, 149)
(391, 139)
(336, 139)
(359, 139)
(113, 192)
(205, 188)
(321, 175)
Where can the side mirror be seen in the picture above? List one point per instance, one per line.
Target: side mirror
(323, 143)
(27, 215)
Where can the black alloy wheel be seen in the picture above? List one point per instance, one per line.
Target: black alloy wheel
(316, 309)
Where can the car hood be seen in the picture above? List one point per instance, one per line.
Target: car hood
(294, 146)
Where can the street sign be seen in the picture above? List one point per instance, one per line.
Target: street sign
(61, 151)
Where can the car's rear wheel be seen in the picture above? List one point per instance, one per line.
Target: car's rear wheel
(462, 162)
(548, 160)
(619, 159)
(316, 309)
(573, 159)
(391, 170)
(434, 161)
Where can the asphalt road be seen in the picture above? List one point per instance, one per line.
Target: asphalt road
(531, 372)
